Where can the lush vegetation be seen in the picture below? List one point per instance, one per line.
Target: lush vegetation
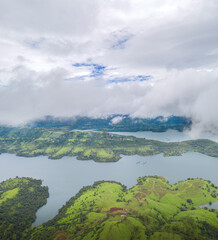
(19, 200)
(158, 124)
(152, 209)
(99, 146)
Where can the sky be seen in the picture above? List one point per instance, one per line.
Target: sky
(97, 57)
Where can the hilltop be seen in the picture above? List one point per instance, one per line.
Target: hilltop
(152, 209)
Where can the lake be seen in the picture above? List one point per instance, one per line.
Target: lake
(169, 136)
(65, 177)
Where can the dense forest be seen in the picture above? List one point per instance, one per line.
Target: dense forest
(19, 200)
(98, 146)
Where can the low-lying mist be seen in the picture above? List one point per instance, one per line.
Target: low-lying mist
(193, 94)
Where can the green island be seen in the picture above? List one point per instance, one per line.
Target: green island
(152, 209)
(98, 146)
(19, 200)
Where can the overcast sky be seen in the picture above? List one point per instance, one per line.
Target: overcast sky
(98, 57)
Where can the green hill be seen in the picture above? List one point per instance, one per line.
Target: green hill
(19, 200)
(152, 209)
(98, 146)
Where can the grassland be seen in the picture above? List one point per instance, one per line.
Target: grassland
(98, 146)
(152, 209)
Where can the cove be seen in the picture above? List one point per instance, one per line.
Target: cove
(67, 176)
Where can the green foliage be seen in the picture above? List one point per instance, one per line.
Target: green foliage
(19, 200)
(158, 124)
(149, 210)
(98, 146)
(152, 209)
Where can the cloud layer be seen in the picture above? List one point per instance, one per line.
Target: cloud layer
(82, 57)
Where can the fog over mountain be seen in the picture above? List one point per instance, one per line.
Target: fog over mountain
(93, 58)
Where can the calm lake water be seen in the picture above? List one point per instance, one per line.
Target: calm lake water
(65, 177)
(169, 136)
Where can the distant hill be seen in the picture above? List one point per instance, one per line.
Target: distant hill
(86, 145)
(116, 123)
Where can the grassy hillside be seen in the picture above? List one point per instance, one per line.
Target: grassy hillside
(99, 146)
(152, 209)
(19, 200)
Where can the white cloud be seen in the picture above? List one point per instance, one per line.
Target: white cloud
(116, 120)
(175, 42)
